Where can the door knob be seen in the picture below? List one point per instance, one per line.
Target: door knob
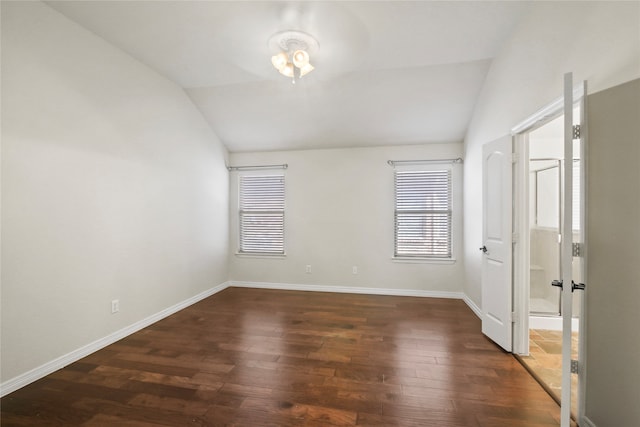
(484, 249)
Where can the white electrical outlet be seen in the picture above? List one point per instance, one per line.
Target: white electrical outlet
(115, 306)
(354, 270)
(308, 269)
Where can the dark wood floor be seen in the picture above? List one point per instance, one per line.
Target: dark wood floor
(248, 357)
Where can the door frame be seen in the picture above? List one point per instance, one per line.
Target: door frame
(521, 248)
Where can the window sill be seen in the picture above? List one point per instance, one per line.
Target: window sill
(409, 260)
(266, 256)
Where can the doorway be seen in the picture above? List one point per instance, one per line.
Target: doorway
(544, 200)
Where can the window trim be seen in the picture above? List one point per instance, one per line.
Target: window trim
(454, 178)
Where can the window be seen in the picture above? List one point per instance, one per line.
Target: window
(262, 215)
(423, 214)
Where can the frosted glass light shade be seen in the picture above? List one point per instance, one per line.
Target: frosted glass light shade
(279, 61)
(287, 70)
(306, 69)
(300, 58)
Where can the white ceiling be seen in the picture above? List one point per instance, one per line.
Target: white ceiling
(387, 72)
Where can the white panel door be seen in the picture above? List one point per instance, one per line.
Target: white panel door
(497, 241)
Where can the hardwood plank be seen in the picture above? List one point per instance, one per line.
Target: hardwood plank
(256, 357)
(299, 412)
(372, 420)
(110, 420)
(134, 415)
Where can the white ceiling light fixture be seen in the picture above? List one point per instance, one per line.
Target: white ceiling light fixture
(294, 50)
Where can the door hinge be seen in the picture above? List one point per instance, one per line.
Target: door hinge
(515, 238)
(577, 250)
(514, 317)
(514, 157)
(576, 131)
(574, 366)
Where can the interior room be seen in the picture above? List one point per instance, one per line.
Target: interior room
(133, 132)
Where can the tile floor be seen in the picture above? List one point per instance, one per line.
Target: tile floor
(545, 359)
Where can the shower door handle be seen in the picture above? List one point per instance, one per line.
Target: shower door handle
(557, 283)
(578, 286)
(574, 285)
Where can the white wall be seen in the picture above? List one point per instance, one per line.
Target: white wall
(339, 214)
(613, 278)
(597, 41)
(113, 186)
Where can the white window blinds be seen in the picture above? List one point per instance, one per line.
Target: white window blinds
(262, 214)
(423, 214)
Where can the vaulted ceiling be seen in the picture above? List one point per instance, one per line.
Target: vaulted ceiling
(387, 72)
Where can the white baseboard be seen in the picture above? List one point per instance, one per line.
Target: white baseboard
(35, 374)
(586, 422)
(473, 306)
(348, 289)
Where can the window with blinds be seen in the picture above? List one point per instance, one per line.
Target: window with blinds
(262, 214)
(423, 214)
